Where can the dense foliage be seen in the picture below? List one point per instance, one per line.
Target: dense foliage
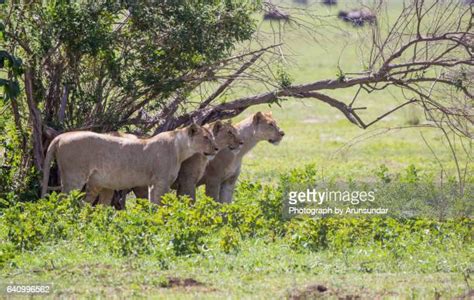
(98, 64)
(180, 228)
(109, 54)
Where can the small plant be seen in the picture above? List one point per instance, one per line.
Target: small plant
(341, 76)
(382, 174)
(284, 78)
(229, 239)
(411, 174)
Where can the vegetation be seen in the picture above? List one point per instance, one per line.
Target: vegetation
(95, 65)
(112, 65)
(109, 74)
(250, 234)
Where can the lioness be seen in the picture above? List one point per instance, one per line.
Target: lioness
(222, 172)
(116, 163)
(193, 168)
(111, 197)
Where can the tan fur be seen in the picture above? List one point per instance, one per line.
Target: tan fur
(140, 191)
(116, 163)
(105, 195)
(223, 171)
(192, 169)
(125, 135)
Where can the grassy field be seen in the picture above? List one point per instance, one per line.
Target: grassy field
(265, 268)
(320, 134)
(258, 271)
(181, 252)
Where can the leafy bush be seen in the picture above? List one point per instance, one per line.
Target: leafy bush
(179, 227)
(51, 219)
(18, 179)
(410, 193)
(339, 234)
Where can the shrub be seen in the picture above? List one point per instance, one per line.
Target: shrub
(338, 234)
(19, 180)
(180, 227)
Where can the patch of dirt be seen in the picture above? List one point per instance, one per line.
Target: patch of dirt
(183, 282)
(308, 292)
(187, 284)
(316, 291)
(468, 295)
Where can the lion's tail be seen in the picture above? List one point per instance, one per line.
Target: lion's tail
(47, 162)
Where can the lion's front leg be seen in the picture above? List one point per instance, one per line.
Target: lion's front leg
(158, 190)
(226, 192)
(212, 189)
(188, 188)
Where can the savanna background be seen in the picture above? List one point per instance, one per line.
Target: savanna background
(247, 249)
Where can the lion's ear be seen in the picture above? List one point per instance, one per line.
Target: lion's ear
(217, 126)
(269, 114)
(193, 129)
(258, 117)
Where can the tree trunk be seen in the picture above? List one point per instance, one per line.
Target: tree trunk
(35, 121)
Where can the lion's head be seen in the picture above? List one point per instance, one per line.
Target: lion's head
(202, 140)
(226, 135)
(266, 128)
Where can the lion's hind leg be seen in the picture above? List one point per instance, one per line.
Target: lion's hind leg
(92, 191)
(106, 196)
(69, 183)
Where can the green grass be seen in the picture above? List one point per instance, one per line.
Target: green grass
(320, 134)
(258, 271)
(316, 134)
(145, 251)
